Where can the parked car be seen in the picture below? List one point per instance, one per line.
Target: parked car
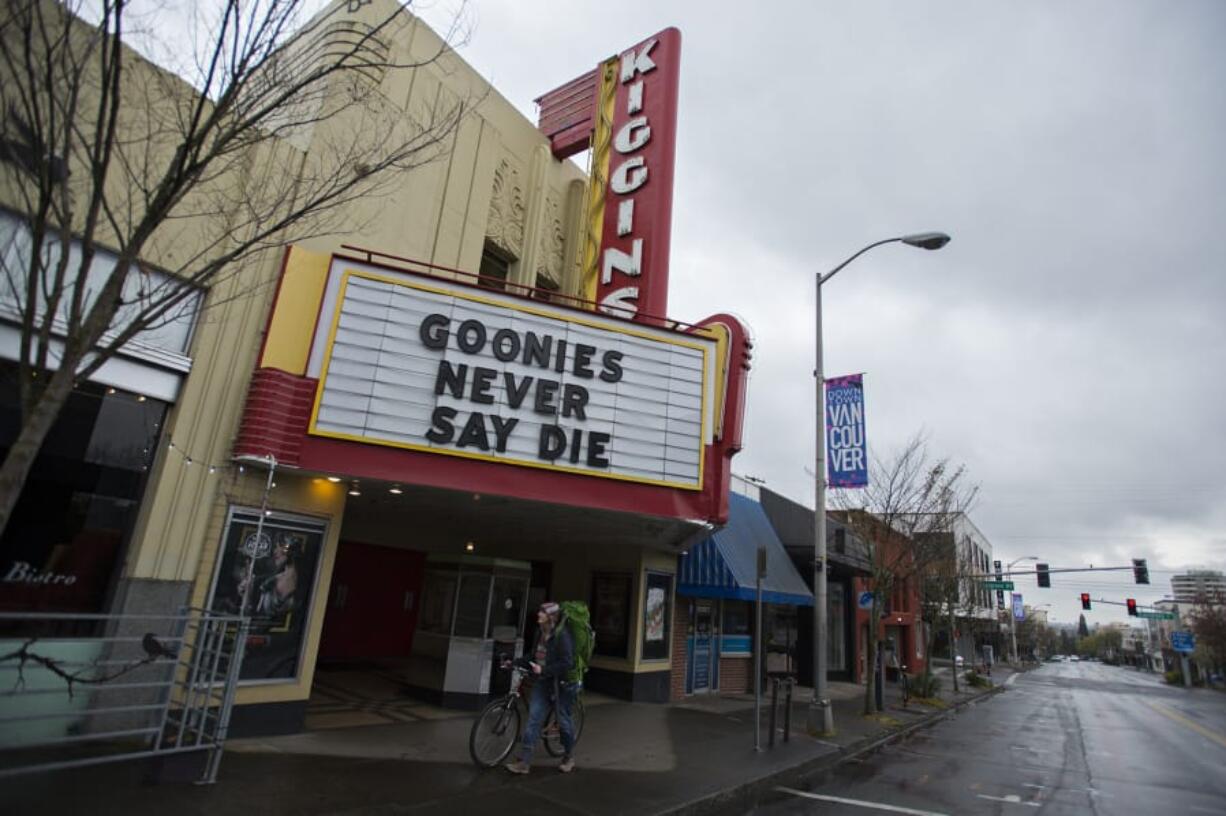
(1074, 658)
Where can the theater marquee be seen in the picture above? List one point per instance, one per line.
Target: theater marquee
(437, 367)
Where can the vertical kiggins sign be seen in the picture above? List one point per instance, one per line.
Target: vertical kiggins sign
(846, 445)
(628, 275)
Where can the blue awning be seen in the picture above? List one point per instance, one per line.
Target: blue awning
(725, 565)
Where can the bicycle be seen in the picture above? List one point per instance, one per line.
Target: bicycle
(497, 728)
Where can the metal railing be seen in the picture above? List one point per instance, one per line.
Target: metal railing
(83, 689)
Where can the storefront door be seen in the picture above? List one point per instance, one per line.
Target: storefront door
(372, 608)
(703, 652)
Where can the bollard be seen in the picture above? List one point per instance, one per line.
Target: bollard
(787, 711)
(774, 706)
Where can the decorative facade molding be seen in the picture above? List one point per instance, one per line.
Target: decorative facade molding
(505, 224)
(552, 247)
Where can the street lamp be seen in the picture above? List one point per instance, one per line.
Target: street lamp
(820, 715)
(1012, 617)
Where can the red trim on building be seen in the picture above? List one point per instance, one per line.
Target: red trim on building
(566, 114)
(276, 416)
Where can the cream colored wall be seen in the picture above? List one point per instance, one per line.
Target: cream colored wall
(439, 212)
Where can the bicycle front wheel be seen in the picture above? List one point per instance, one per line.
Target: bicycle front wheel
(494, 733)
(553, 732)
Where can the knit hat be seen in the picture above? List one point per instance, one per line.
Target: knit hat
(551, 609)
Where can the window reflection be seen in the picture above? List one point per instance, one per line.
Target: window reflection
(68, 532)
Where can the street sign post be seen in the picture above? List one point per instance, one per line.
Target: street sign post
(865, 600)
(1157, 615)
(998, 585)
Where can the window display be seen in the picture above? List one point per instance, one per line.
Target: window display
(611, 613)
(657, 614)
(269, 572)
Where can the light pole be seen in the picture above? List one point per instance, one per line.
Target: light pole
(1012, 617)
(820, 716)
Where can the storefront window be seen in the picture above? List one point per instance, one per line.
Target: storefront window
(268, 571)
(657, 616)
(67, 534)
(437, 603)
(508, 604)
(738, 618)
(836, 627)
(473, 604)
(611, 613)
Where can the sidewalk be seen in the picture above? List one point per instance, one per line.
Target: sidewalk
(689, 757)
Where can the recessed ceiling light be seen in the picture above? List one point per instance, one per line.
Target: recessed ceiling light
(353, 491)
(469, 547)
(334, 479)
(396, 491)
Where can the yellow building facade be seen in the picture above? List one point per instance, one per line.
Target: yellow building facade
(278, 476)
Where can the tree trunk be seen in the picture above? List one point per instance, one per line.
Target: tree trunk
(34, 429)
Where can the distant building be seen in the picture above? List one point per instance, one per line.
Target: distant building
(1196, 584)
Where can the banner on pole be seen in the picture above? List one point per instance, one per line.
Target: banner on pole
(846, 445)
(1018, 612)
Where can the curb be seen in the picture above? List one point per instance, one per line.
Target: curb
(744, 797)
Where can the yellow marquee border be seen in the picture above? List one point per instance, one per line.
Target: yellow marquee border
(314, 430)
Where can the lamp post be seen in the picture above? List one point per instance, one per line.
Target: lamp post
(1012, 618)
(820, 716)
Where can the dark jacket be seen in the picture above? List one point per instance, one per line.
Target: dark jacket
(559, 654)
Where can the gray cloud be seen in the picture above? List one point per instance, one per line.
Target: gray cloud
(1069, 345)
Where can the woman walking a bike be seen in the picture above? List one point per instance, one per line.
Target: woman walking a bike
(552, 659)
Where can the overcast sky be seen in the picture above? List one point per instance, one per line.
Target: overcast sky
(1069, 345)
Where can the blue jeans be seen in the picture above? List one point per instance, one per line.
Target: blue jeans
(538, 710)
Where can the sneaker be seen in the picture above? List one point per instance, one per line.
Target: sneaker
(518, 767)
(568, 765)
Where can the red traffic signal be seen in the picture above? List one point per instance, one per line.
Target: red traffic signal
(1085, 600)
(1132, 607)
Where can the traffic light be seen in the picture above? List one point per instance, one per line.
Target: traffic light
(1085, 600)
(1044, 576)
(1132, 607)
(1140, 571)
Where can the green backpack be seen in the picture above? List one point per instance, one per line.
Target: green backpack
(578, 620)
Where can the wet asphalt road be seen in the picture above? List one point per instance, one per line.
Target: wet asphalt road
(1067, 738)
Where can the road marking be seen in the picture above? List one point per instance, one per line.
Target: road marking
(1012, 799)
(860, 803)
(1195, 726)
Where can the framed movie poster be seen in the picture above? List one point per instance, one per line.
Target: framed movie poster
(282, 562)
(657, 609)
(611, 613)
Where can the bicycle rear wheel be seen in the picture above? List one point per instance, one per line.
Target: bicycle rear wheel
(494, 733)
(552, 733)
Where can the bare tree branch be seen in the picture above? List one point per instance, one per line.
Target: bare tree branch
(273, 130)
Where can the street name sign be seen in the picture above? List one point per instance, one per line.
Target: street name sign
(1156, 615)
(998, 585)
